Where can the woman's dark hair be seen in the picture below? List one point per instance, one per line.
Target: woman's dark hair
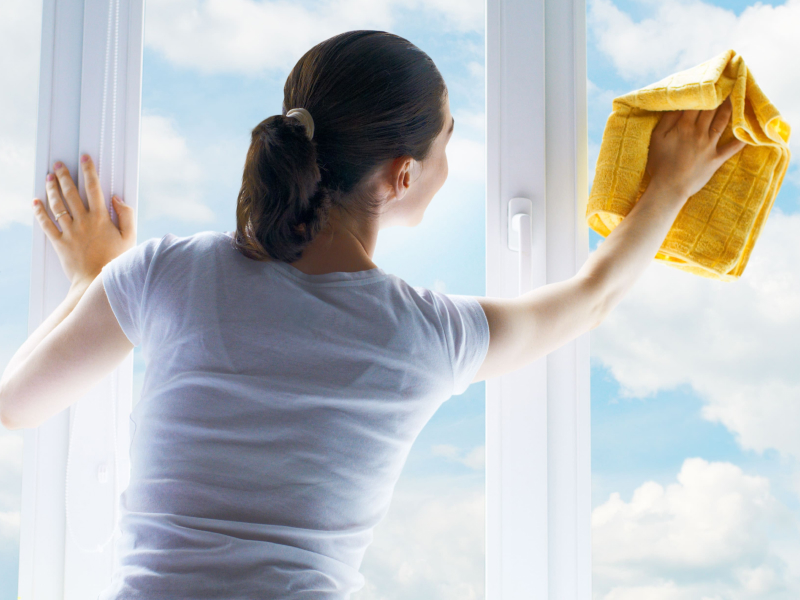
(374, 96)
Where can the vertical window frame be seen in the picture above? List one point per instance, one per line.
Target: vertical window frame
(72, 79)
(538, 445)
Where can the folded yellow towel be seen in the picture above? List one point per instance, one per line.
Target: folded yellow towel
(717, 228)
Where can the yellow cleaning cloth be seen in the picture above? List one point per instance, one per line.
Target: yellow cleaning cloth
(717, 228)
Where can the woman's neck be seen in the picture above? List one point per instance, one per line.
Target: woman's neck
(343, 245)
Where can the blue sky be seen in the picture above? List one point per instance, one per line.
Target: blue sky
(691, 390)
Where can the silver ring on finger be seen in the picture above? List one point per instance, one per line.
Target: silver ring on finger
(61, 214)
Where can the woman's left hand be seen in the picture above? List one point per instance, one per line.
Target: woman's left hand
(88, 239)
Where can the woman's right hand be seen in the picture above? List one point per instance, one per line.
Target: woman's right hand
(683, 148)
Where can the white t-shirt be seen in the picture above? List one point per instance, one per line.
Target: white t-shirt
(276, 414)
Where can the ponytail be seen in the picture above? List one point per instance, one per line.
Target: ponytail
(281, 201)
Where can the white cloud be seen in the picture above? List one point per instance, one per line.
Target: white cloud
(598, 95)
(685, 33)
(19, 64)
(466, 161)
(474, 459)
(471, 123)
(599, 102)
(462, 15)
(16, 181)
(171, 180)
(9, 528)
(672, 39)
(736, 343)
(10, 485)
(10, 469)
(716, 533)
(466, 149)
(247, 36)
(477, 70)
(430, 546)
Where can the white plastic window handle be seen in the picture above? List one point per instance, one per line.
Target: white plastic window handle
(520, 240)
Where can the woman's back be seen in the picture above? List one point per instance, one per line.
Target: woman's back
(277, 412)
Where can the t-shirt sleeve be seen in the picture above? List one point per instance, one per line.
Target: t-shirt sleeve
(467, 332)
(125, 282)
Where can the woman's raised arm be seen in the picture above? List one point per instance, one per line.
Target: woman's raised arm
(682, 158)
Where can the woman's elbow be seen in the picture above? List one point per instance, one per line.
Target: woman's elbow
(597, 304)
(599, 315)
(9, 417)
(8, 420)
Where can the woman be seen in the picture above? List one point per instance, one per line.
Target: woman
(287, 374)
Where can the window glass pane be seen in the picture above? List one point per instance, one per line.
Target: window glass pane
(20, 30)
(211, 73)
(695, 384)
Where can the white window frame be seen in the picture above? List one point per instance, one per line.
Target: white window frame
(72, 79)
(538, 450)
(538, 471)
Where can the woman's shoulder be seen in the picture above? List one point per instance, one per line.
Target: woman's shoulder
(169, 243)
(440, 306)
(160, 256)
(420, 299)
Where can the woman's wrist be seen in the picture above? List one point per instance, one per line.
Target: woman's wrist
(669, 194)
(79, 285)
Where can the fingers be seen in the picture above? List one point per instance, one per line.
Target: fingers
(56, 201)
(730, 149)
(69, 191)
(667, 121)
(690, 116)
(46, 223)
(721, 118)
(705, 118)
(126, 218)
(94, 194)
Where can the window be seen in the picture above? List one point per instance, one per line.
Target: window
(537, 509)
(694, 423)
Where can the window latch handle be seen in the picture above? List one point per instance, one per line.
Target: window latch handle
(520, 239)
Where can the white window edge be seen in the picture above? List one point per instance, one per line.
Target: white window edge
(71, 79)
(538, 451)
